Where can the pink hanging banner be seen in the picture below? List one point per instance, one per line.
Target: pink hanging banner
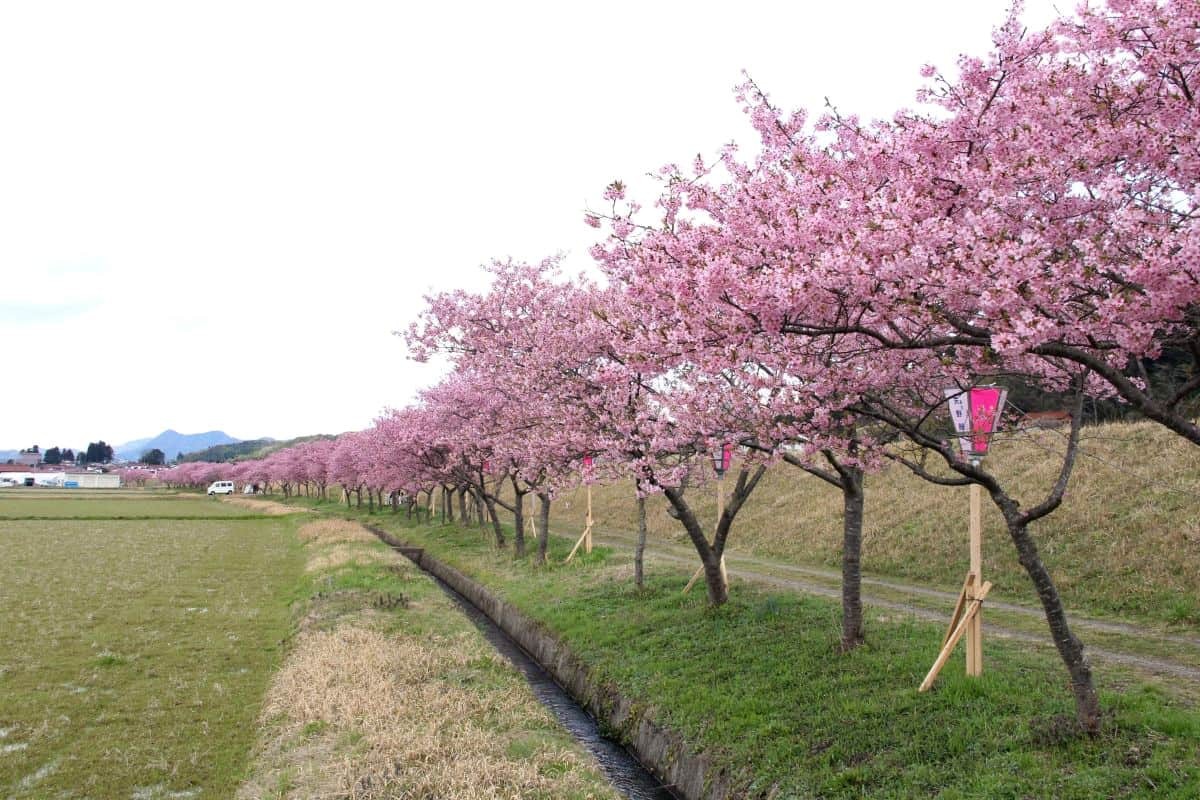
(726, 457)
(587, 462)
(986, 404)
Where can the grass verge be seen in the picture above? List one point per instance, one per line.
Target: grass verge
(759, 684)
(389, 691)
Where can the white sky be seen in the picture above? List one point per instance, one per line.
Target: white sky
(212, 215)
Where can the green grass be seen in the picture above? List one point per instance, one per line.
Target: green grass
(35, 506)
(134, 654)
(760, 685)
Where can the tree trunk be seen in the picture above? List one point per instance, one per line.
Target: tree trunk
(543, 524)
(1070, 649)
(640, 551)
(518, 512)
(497, 530)
(462, 504)
(853, 629)
(710, 556)
(358, 497)
(370, 502)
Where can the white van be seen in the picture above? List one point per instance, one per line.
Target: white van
(220, 487)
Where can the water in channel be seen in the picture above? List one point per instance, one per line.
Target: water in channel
(621, 769)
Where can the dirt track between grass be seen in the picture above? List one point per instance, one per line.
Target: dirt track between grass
(1127, 644)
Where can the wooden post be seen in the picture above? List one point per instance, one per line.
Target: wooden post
(587, 544)
(585, 540)
(975, 629)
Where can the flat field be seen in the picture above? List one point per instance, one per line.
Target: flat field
(134, 654)
(41, 504)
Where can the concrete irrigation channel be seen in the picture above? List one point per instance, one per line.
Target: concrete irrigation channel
(657, 769)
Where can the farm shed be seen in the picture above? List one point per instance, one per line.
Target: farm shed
(95, 480)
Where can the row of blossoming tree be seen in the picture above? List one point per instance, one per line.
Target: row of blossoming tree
(811, 303)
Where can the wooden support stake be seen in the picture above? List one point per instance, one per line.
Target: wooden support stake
(587, 544)
(971, 612)
(975, 629)
(958, 608)
(585, 539)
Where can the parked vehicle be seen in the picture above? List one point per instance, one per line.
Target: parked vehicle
(220, 487)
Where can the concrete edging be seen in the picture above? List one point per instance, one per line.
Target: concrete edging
(661, 750)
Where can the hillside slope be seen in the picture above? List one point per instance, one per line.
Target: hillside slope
(1126, 540)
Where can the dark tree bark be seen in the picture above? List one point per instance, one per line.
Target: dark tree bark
(853, 627)
(543, 527)
(850, 481)
(639, 551)
(497, 530)
(710, 553)
(518, 512)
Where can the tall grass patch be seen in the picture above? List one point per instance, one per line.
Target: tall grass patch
(389, 691)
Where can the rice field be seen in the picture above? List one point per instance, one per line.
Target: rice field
(39, 504)
(134, 654)
(193, 655)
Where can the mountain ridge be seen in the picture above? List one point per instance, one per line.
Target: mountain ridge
(172, 442)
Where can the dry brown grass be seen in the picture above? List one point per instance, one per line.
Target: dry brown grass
(341, 555)
(332, 531)
(364, 710)
(268, 507)
(419, 733)
(335, 543)
(1127, 537)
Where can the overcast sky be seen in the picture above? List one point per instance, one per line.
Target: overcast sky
(212, 215)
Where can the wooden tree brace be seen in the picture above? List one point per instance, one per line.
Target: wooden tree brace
(965, 617)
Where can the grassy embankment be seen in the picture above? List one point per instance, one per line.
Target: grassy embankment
(389, 691)
(760, 684)
(1125, 543)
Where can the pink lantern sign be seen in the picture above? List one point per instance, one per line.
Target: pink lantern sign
(976, 415)
(721, 459)
(587, 462)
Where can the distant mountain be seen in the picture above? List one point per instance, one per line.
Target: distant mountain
(5, 455)
(172, 443)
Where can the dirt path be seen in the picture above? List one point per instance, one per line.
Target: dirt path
(1142, 649)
